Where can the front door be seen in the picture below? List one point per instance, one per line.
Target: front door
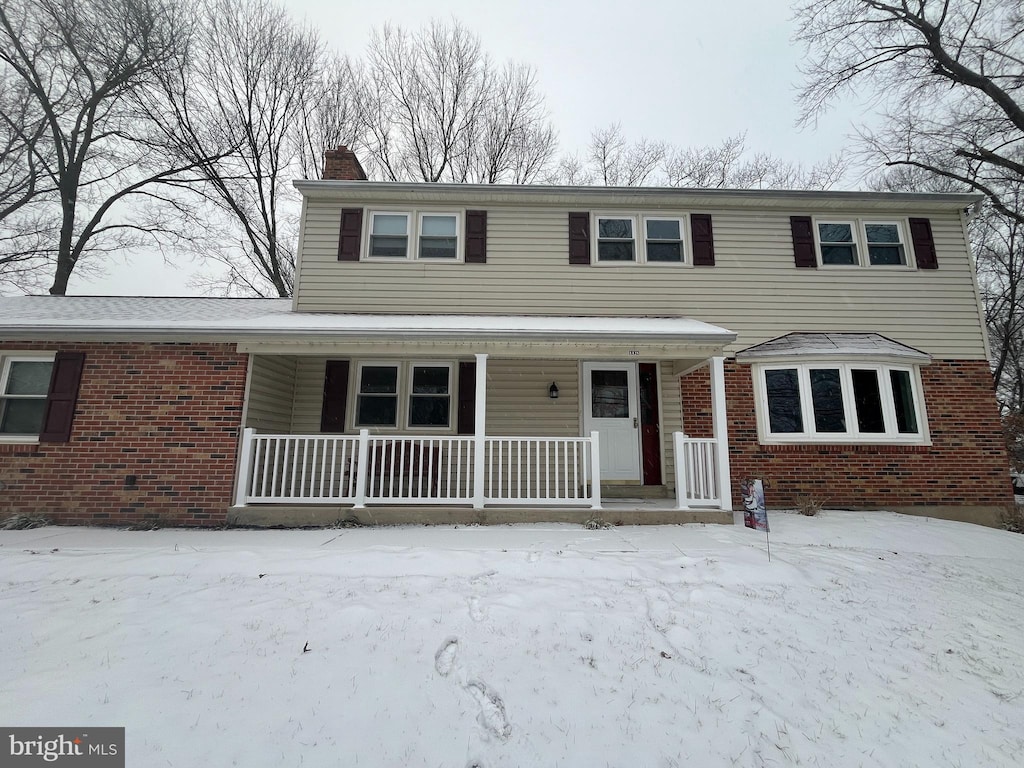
(611, 408)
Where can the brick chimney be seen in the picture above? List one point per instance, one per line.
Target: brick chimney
(342, 164)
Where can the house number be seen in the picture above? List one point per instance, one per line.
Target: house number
(634, 351)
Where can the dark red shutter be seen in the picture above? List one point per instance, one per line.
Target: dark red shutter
(476, 237)
(351, 234)
(467, 399)
(703, 240)
(332, 415)
(924, 244)
(62, 397)
(803, 241)
(579, 238)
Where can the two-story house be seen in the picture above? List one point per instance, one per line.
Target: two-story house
(493, 353)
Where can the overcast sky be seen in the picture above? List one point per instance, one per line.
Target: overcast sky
(685, 71)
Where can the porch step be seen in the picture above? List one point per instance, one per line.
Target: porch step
(632, 491)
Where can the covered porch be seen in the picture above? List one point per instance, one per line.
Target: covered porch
(553, 416)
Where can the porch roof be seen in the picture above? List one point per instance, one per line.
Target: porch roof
(830, 345)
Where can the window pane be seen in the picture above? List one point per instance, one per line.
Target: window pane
(395, 247)
(784, 414)
(663, 229)
(885, 254)
(428, 411)
(838, 254)
(376, 410)
(378, 379)
(882, 233)
(438, 226)
(22, 417)
(615, 251)
(903, 395)
(664, 251)
(868, 399)
(835, 233)
(430, 381)
(622, 228)
(389, 224)
(438, 248)
(827, 397)
(29, 378)
(609, 394)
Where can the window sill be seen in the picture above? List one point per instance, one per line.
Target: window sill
(888, 446)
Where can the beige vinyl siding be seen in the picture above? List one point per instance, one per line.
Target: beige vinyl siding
(671, 421)
(754, 289)
(518, 403)
(309, 394)
(271, 389)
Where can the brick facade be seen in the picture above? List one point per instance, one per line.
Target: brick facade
(965, 465)
(342, 164)
(166, 415)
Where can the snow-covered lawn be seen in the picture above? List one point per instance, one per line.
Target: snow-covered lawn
(869, 639)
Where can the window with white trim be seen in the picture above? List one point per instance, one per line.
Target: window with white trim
(616, 238)
(639, 239)
(24, 383)
(663, 240)
(839, 402)
(426, 235)
(861, 242)
(406, 395)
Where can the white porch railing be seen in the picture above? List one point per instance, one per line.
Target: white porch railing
(365, 469)
(697, 471)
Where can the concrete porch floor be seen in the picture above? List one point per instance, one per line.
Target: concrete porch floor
(614, 512)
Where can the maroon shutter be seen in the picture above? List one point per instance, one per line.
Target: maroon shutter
(924, 244)
(332, 415)
(803, 241)
(351, 234)
(703, 240)
(579, 238)
(476, 237)
(467, 399)
(62, 397)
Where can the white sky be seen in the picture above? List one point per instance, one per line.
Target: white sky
(687, 72)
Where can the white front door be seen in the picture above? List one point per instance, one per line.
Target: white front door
(611, 408)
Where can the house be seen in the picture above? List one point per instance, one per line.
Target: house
(469, 352)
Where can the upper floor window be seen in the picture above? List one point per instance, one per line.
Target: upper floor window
(616, 239)
(664, 239)
(24, 382)
(861, 243)
(409, 235)
(661, 239)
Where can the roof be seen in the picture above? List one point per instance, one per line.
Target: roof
(795, 199)
(160, 317)
(845, 345)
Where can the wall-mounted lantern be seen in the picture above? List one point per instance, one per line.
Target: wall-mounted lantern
(553, 391)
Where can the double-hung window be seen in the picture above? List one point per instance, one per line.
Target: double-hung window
(664, 240)
(24, 382)
(616, 238)
(840, 402)
(861, 243)
(425, 235)
(657, 240)
(403, 395)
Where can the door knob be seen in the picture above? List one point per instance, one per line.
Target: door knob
(635, 422)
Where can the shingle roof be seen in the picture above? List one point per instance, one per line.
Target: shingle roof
(830, 345)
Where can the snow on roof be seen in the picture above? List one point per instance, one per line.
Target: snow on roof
(830, 345)
(151, 316)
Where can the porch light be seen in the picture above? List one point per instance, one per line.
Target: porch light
(553, 391)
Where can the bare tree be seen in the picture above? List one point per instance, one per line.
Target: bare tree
(84, 66)
(335, 115)
(440, 111)
(617, 162)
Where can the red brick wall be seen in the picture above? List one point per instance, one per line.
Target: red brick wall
(695, 388)
(966, 463)
(169, 414)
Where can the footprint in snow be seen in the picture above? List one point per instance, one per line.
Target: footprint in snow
(492, 709)
(444, 659)
(476, 613)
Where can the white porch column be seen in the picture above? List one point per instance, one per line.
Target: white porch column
(479, 418)
(244, 476)
(720, 425)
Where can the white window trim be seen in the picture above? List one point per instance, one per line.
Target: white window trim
(414, 225)
(640, 219)
(20, 357)
(852, 436)
(860, 242)
(404, 394)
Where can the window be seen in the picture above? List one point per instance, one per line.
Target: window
(861, 243)
(24, 383)
(839, 402)
(436, 236)
(403, 395)
(664, 240)
(615, 239)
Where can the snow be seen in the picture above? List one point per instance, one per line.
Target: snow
(830, 345)
(869, 639)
